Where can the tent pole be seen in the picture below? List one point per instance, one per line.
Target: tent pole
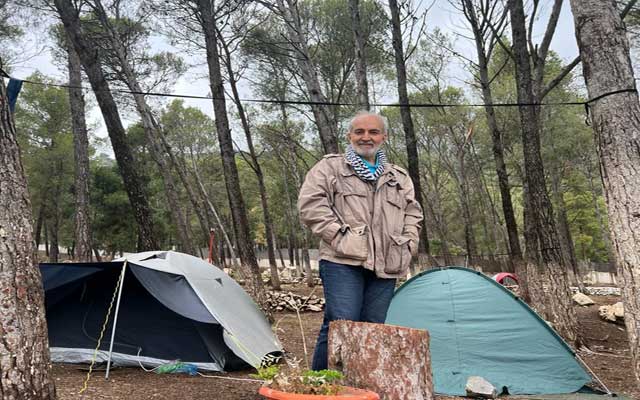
(593, 374)
(115, 318)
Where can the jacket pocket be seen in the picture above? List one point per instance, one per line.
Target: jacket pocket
(352, 243)
(399, 255)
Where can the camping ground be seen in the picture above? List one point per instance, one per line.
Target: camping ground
(608, 343)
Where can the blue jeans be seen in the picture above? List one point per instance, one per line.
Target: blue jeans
(351, 293)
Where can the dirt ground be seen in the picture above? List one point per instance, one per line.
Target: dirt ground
(608, 358)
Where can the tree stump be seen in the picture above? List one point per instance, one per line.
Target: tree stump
(391, 360)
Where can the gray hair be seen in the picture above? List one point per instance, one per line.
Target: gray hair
(363, 113)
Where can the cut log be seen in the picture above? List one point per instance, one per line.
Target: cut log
(390, 360)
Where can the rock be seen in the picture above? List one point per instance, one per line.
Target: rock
(280, 301)
(478, 387)
(618, 310)
(599, 290)
(612, 313)
(582, 299)
(392, 361)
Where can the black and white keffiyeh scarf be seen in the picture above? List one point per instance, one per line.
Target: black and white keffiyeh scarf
(361, 168)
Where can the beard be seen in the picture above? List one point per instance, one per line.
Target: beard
(365, 151)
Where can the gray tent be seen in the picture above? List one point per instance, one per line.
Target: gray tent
(170, 306)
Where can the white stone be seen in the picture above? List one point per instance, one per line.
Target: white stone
(582, 299)
(612, 313)
(478, 387)
(618, 310)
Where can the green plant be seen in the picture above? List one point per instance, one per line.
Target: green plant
(267, 374)
(322, 377)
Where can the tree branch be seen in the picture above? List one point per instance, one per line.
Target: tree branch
(569, 67)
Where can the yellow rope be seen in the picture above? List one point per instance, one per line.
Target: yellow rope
(104, 327)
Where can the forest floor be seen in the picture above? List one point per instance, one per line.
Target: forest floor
(608, 341)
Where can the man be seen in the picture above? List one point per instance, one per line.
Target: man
(365, 212)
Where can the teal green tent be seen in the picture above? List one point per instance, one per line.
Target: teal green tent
(478, 327)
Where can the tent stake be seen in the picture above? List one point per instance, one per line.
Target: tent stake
(115, 318)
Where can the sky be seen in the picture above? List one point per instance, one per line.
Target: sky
(441, 15)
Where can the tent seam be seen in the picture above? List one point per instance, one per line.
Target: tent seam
(455, 324)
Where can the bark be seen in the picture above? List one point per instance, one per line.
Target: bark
(290, 248)
(46, 239)
(96, 253)
(440, 225)
(282, 263)
(611, 255)
(604, 50)
(39, 224)
(368, 353)
(54, 192)
(541, 237)
(248, 261)
(223, 257)
(361, 59)
(496, 134)
(257, 169)
(216, 215)
(413, 163)
(322, 116)
(25, 369)
(150, 127)
(82, 220)
(306, 260)
(179, 166)
(90, 59)
(54, 227)
(463, 192)
(564, 231)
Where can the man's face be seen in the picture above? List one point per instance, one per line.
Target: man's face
(366, 136)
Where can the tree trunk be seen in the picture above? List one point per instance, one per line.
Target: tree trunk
(440, 227)
(361, 59)
(96, 253)
(215, 213)
(150, 127)
(564, 231)
(290, 248)
(82, 221)
(90, 59)
(413, 163)
(366, 353)
(54, 227)
(496, 135)
(248, 261)
(611, 255)
(541, 237)
(25, 369)
(255, 165)
(46, 239)
(463, 191)
(604, 49)
(54, 190)
(321, 113)
(306, 260)
(199, 208)
(39, 224)
(279, 248)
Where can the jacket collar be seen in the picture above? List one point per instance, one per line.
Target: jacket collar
(389, 174)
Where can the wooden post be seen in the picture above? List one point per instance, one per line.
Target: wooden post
(390, 360)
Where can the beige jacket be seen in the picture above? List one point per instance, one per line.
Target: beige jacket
(374, 226)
